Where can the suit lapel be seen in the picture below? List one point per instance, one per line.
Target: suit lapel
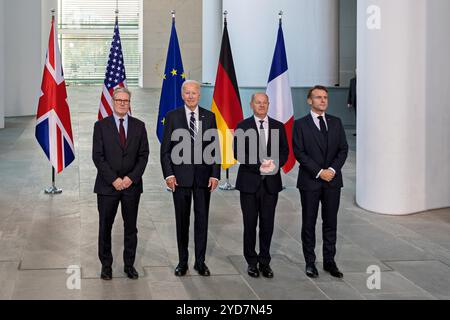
(317, 134)
(269, 139)
(331, 128)
(182, 117)
(202, 119)
(130, 131)
(114, 131)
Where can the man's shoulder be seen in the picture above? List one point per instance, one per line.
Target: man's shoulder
(206, 112)
(247, 122)
(105, 121)
(275, 123)
(136, 121)
(303, 120)
(331, 117)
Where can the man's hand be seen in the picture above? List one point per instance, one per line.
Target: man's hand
(118, 184)
(171, 183)
(213, 183)
(126, 183)
(267, 167)
(327, 175)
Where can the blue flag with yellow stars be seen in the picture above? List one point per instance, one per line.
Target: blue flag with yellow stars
(172, 80)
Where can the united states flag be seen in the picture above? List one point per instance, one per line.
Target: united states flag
(114, 76)
(53, 126)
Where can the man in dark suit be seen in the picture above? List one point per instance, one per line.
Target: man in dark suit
(190, 179)
(120, 153)
(320, 146)
(351, 100)
(259, 180)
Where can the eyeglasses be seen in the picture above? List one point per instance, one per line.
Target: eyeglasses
(120, 101)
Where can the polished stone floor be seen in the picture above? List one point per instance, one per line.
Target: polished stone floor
(42, 236)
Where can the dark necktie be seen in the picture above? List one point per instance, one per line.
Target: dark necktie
(192, 126)
(122, 136)
(323, 127)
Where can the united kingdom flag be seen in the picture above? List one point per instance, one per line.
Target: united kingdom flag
(53, 126)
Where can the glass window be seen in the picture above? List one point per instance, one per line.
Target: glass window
(85, 34)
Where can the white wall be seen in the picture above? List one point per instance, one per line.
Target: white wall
(403, 107)
(311, 35)
(212, 36)
(2, 64)
(23, 56)
(155, 31)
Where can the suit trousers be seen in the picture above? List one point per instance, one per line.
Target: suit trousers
(182, 198)
(259, 205)
(329, 198)
(107, 208)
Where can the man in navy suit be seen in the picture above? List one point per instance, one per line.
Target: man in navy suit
(190, 179)
(259, 181)
(320, 146)
(120, 153)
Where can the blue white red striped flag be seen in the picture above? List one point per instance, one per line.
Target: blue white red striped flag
(280, 96)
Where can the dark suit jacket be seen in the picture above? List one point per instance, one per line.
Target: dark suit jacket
(187, 173)
(309, 150)
(352, 93)
(249, 177)
(113, 161)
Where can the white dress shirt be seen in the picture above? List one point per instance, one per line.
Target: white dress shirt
(265, 125)
(188, 116)
(316, 120)
(125, 123)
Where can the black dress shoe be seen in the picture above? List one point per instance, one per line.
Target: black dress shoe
(311, 271)
(266, 271)
(106, 273)
(131, 272)
(333, 270)
(253, 271)
(181, 270)
(202, 269)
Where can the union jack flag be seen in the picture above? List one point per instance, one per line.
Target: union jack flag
(53, 126)
(115, 75)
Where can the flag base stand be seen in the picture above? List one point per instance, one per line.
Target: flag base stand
(53, 190)
(227, 186)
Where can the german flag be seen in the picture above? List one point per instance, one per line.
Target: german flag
(226, 102)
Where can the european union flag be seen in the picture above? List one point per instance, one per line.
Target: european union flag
(172, 80)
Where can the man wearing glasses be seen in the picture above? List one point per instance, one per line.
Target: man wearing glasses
(120, 153)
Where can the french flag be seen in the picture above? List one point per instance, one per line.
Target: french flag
(53, 126)
(280, 96)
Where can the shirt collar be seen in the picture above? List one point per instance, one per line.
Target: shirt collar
(117, 118)
(266, 119)
(189, 110)
(315, 115)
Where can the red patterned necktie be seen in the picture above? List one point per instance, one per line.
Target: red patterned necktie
(122, 136)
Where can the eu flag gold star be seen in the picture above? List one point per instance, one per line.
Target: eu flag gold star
(163, 121)
(174, 72)
(183, 75)
(164, 77)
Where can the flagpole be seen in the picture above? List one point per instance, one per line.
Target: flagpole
(53, 189)
(280, 17)
(227, 186)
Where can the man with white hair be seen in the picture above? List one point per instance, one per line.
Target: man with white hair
(190, 180)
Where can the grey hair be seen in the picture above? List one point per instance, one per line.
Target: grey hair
(254, 95)
(185, 83)
(121, 89)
